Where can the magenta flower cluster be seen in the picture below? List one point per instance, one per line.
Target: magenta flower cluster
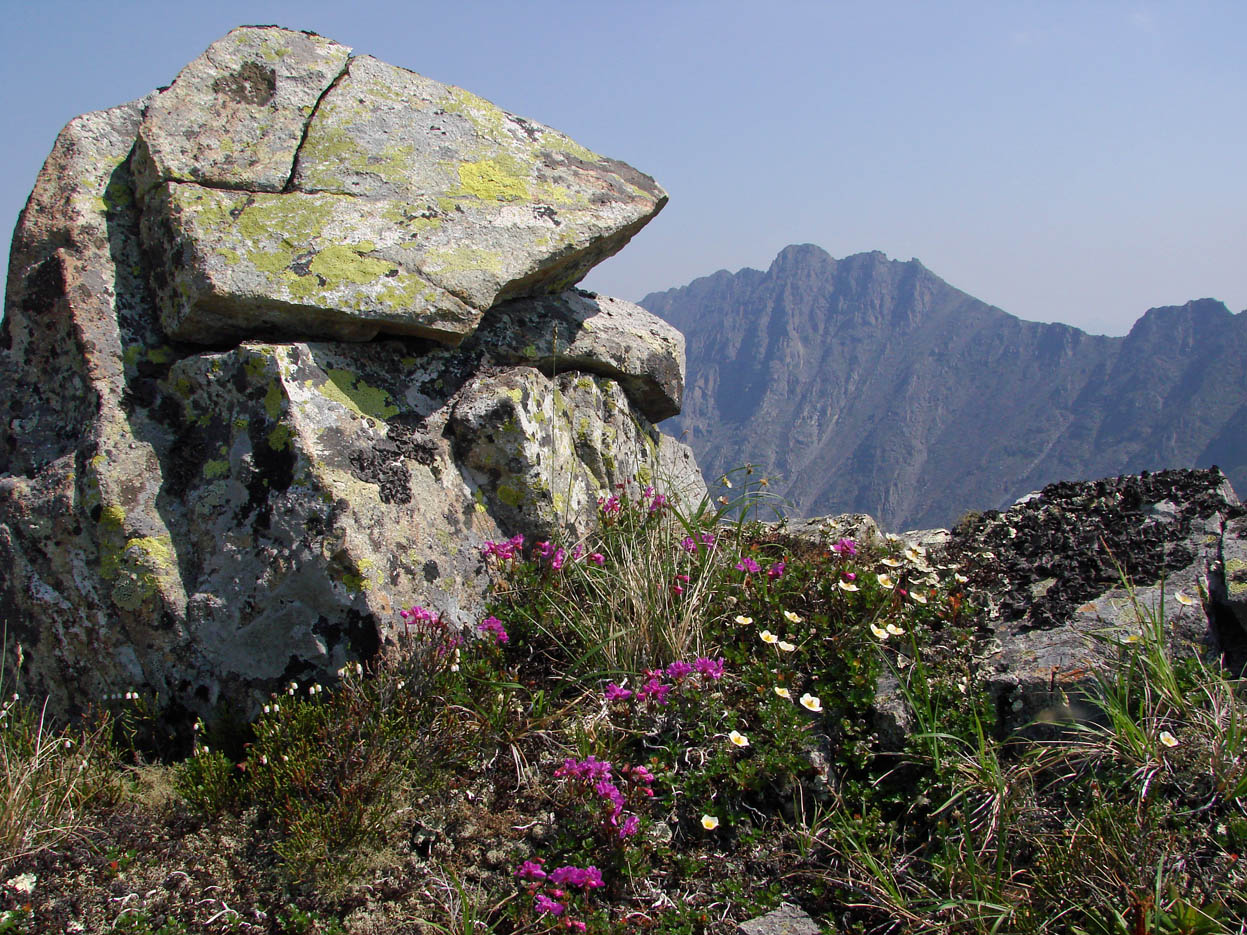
(494, 626)
(546, 889)
(656, 689)
(845, 547)
(509, 550)
(748, 565)
(598, 777)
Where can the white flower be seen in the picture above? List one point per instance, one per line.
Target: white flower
(738, 738)
(786, 646)
(23, 883)
(743, 620)
(917, 598)
(1184, 599)
(960, 578)
(891, 562)
(709, 822)
(811, 703)
(885, 581)
(1168, 739)
(791, 617)
(963, 684)
(895, 630)
(769, 637)
(783, 692)
(878, 631)
(847, 586)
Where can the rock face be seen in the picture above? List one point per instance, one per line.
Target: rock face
(871, 385)
(212, 478)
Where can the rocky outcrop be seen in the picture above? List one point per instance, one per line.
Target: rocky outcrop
(868, 384)
(284, 345)
(1070, 573)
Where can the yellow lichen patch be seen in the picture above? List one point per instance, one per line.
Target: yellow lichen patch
(279, 438)
(488, 119)
(496, 179)
(274, 400)
(145, 564)
(457, 259)
(214, 469)
(349, 390)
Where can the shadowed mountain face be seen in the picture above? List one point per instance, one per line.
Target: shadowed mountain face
(868, 384)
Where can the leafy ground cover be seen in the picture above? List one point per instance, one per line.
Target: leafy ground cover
(672, 727)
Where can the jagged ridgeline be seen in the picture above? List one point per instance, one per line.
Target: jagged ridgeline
(871, 385)
(283, 345)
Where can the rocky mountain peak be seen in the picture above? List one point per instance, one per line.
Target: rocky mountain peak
(867, 384)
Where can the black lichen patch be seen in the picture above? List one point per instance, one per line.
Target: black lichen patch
(411, 440)
(253, 83)
(1083, 537)
(382, 465)
(44, 288)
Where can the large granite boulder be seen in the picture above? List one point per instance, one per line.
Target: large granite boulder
(250, 410)
(292, 190)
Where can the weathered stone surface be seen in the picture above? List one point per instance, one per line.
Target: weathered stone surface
(1051, 571)
(786, 920)
(201, 524)
(239, 264)
(234, 117)
(365, 198)
(581, 331)
(545, 449)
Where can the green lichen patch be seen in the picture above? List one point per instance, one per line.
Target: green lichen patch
(349, 390)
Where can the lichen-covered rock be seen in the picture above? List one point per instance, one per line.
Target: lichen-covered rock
(1068, 574)
(234, 117)
(594, 334)
(202, 524)
(291, 191)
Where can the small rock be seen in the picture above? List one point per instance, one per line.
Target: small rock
(786, 920)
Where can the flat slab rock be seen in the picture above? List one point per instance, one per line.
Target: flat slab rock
(786, 920)
(293, 191)
(578, 330)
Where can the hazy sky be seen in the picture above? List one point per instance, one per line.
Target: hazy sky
(1076, 162)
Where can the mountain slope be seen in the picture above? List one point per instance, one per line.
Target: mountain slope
(868, 384)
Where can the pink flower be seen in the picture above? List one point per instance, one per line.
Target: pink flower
(709, 668)
(748, 565)
(494, 625)
(531, 870)
(559, 558)
(775, 571)
(845, 547)
(545, 904)
(677, 670)
(588, 878)
(598, 559)
(688, 545)
(609, 506)
(617, 693)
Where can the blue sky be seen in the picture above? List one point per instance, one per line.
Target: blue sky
(1076, 162)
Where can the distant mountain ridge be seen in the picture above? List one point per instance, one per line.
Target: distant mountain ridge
(868, 384)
